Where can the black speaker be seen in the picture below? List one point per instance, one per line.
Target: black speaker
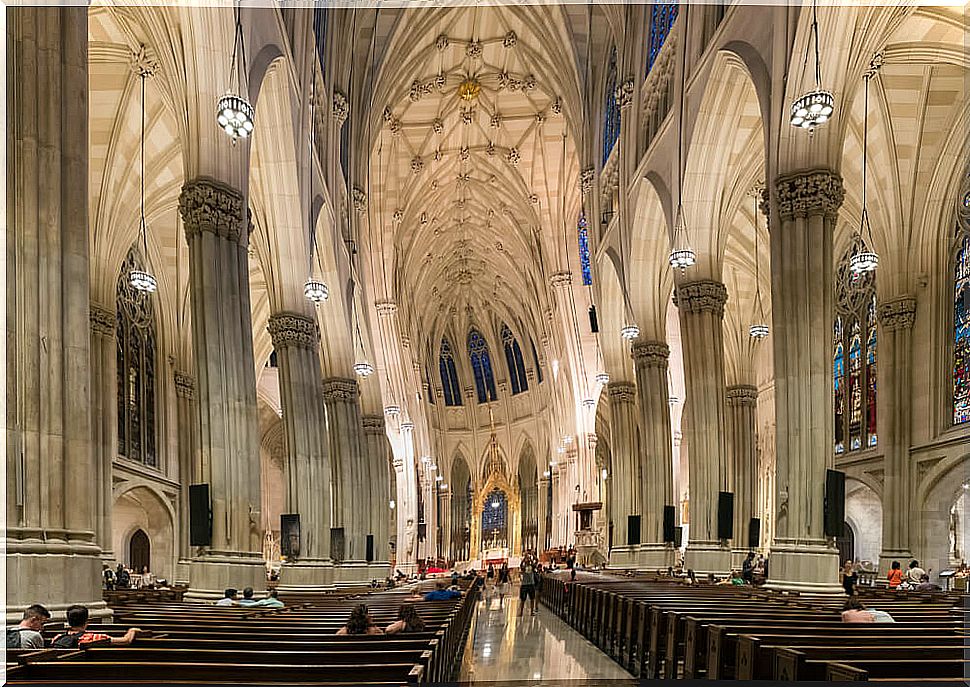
(725, 515)
(754, 533)
(834, 515)
(200, 515)
(290, 535)
(670, 524)
(594, 321)
(369, 551)
(678, 537)
(337, 543)
(633, 529)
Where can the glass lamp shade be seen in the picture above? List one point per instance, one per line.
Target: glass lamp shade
(392, 410)
(407, 426)
(863, 261)
(142, 281)
(682, 258)
(603, 378)
(630, 332)
(589, 402)
(812, 109)
(363, 368)
(236, 116)
(758, 331)
(315, 291)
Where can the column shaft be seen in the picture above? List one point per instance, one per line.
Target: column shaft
(624, 482)
(351, 494)
(189, 466)
(742, 402)
(104, 418)
(378, 487)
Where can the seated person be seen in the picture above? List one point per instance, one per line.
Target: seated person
(441, 593)
(360, 623)
(247, 599)
(77, 636)
(855, 612)
(272, 600)
(925, 585)
(27, 635)
(408, 620)
(229, 599)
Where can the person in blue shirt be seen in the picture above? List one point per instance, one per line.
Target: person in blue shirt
(442, 593)
(248, 599)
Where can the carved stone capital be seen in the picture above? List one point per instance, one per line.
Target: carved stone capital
(292, 329)
(184, 385)
(650, 353)
(103, 321)
(340, 389)
(373, 424)
(561, 279)
(813, 192)
(622, 392)
(765, 203)
(742, 395)
(360, 199)
(624, 94)
(210, 205)
(898, 313)
(586, 178)
(340, 108)
(703, 295)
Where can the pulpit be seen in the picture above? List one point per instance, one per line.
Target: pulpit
(589, 538)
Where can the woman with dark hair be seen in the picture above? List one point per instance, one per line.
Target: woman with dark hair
(360, 623)
(408, 620)
(895, 576)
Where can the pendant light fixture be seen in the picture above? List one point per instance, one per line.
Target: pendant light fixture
(362, 366)
(759, 329)
(865, 259)
(815, 107)
(234, 113)
(141, 279)
(682, 255)
(314, 289)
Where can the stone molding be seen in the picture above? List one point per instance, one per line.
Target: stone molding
(292, 329)
(811, 192)
(742, 395)
(561, 279)
(622, 392)
(184, 385)
(340, 389)
(704, 295)
(103, 321)
(209, 205)
(650, 353)
(898, 313)
(373, 424)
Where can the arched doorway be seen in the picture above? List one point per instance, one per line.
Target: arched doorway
(846, 544)
(139, 551)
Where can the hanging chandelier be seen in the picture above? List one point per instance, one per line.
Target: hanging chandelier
(234, 113)
(759, 329)
(392, 410)
(314, 290)
(682, 256)
(865, 259)
(815, 107)
(141, 279)
(630, 331)
(363, 368)
(603, 377)
(589, 403)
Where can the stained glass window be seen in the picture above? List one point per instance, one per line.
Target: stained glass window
(662, 16)
(136, 352)
(320, 15)
(961, 334)
(584, 250)
(449, 375)
(854, 358)
(513, 358)
(611, 111)
(495, 514)
(535, 359)
(481, 366)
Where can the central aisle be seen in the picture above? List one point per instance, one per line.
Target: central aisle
(505, 648)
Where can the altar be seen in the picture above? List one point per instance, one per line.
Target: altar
(495, 556)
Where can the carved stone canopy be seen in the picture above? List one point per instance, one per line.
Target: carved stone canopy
(812, 192)
(704, 295)
(184, 385)
(292, 329)
(373, 424)
(650, 353)
(103, 321)
(898, 313)
(742, 395)
(340, 389)
(209, 205)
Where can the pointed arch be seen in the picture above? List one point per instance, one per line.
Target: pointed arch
(449, 374)
(482, 366)
(513, 358)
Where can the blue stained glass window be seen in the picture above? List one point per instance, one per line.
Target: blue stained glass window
(584, 250)
(449, 375)
(513, 358)
(961, 335)
(320, 16)
(662, 16)
(611, 112)
(481, 366)
(495, 513)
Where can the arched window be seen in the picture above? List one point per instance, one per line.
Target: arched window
(535, 359)
(611, 110)
(136, 368)
(961, 334)
(449, 375)
(662, 16)
(583, 230)
(513, 357)
(854, 358)
(481, 366)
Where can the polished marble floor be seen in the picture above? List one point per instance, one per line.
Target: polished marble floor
(539, 649)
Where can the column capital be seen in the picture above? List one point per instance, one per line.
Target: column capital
(561, 279)
(650, 353)
(103, 321)
(622, 392)
(624, 93)
(701, 296)
(340, 108)
(184, 385)
(809, 192)
(360, 199)
(898, 313)
(292, 329)
(373, 424)
(340, 389)
(209, 205)
(742, 395)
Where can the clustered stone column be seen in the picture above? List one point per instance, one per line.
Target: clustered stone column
(701, 305)
(342, 398)
(896, 316)
(296, 339)
(377, 487)
(624, 482)
(104, 418)
(214, 216)
(802, 308)
(742, 403)
(656, 468)
(188, 450)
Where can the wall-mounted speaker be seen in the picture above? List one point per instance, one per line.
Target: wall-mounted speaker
(725, 515)
(200, 515)
(834, 507)
(754, 533)
(369, 551)
(290, 535)
(670, 524)
(633, 529)
(337, 543)
(678, 537)
(594, 321)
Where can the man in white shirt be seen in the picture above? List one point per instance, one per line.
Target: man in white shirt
(27, 635)
(229, 599)
(915, 573)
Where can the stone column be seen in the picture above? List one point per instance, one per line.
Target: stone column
(52, 496)
(350, 493)
(378, 487)
(656, 460)
(214, 217)
(624, 482)
(543, 511)
(701, 305)
(296, 339)
(104, 419)
(896, 317)
(742, 402)
(445, 521)
(802, 310)
(188, 451)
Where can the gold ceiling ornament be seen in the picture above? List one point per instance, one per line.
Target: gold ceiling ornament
(469, 89)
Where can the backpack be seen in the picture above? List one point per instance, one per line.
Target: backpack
(13, 638)
(68, 640)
